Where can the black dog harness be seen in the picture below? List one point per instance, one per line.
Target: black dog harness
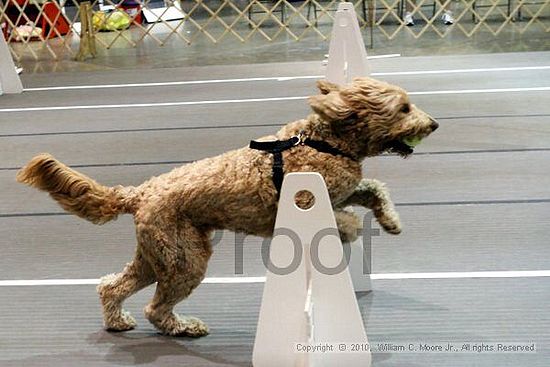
(277, 148)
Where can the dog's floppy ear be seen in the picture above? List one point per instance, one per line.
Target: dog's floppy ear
(325, 87)
(330, 106)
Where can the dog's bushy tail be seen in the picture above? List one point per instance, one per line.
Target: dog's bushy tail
(75, 192)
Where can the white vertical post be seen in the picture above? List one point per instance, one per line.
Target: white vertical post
(307, 303)
(9, 79)
(347, 57)
(359, 263)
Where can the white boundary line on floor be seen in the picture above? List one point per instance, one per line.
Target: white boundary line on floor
(281, 78)
(471, 91)
(155, 104)
(249, 100)
(249, 280)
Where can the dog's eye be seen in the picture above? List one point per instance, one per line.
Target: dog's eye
(406, 108)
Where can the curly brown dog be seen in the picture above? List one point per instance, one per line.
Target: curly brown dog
(176, 212)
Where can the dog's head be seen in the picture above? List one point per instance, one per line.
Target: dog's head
(374, 115)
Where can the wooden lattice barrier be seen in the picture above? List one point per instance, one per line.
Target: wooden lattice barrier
(44, 29)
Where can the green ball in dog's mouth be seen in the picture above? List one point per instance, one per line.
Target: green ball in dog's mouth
(412, 141)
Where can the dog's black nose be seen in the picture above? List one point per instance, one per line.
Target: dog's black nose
(434, 125)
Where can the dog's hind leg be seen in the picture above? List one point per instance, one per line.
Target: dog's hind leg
(373, 194)
(179, 257)
(113, 289)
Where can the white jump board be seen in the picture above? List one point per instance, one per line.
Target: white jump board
(347, 58)
(9, 79)
(163, 14)
(307, 304)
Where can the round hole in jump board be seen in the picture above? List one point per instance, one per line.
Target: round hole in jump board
(304, 199)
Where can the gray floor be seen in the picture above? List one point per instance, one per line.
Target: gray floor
(475, 197)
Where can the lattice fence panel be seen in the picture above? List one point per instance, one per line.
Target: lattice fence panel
(43, 29)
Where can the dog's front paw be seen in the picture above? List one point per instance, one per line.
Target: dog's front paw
(389, 221)
(394, 228)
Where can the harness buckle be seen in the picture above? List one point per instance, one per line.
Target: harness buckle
(301, 138)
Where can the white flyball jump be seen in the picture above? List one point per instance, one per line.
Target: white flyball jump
(359, 264)
(308, 295)
(9, 79)
(347, 57)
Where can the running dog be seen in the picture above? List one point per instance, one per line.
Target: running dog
(176, 212)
